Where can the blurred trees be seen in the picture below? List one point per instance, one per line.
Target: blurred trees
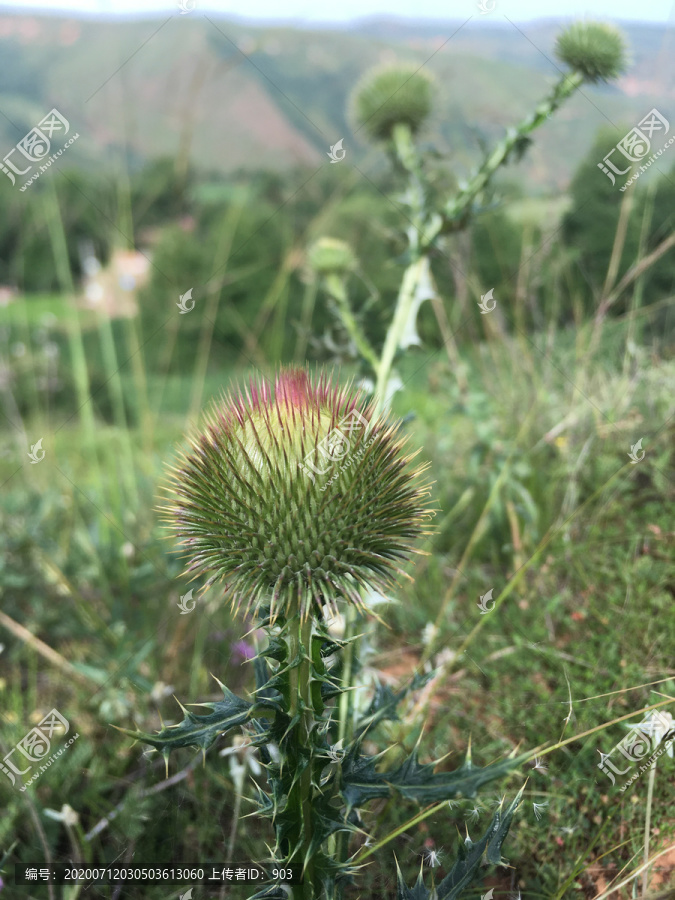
(590, 226)
(240, 245)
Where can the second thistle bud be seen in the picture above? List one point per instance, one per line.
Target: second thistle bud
(595, 50)
(330, 256)
(388, 96)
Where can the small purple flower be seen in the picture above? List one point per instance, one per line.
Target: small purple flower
(242, 650)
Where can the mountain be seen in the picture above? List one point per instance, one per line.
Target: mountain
(228, 94)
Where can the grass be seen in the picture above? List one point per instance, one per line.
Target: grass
(57, 309)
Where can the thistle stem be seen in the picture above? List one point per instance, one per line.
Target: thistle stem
(300, 704)
(424, 227)
(345, 703)
(457, 209)
(416, 200)
(345, 722)
(336, 288)
(404, 304)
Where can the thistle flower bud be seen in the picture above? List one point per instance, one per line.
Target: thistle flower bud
(385, 97)
(595, 50)
(296, 498)
(329, 256)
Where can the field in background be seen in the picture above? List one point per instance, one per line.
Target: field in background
(226, 95)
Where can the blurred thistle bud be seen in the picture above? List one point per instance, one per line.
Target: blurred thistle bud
(329, 256)
(296, 497)
(595, 50)
(389, 96)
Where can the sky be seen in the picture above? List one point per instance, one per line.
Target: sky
(340, 11)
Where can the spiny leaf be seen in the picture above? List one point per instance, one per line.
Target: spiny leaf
(264, 801)
(384, 703)
(466, 867)
(330, 689)
(276, 649)
(468, 861)
(403, 892)
(273, 732)
(501, 824)
(328, 871)
(361, 782)
(199, 731)
(265, 686)
(260, 738)
(326, 820)
(285, 827)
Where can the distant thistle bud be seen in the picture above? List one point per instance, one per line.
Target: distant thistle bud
(330, 255)
(385, 97)
(595, 50)
(296, 497)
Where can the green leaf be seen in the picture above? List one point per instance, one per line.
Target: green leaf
(276, 649)
(501, 824)
(260, 737)
(470, 854)
(384, 703)
(403, 892)
(361, 782)
(468, 861)
(198, 731)
(326, 820)
(268, 686)
(330, 689)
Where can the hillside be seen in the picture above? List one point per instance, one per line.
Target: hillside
(231, 95)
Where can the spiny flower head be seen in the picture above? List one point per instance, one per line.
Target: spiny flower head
(331, 255)
(596, 50)
(296, 497)
(386, 96)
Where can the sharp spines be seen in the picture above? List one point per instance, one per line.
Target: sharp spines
(247, 461)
